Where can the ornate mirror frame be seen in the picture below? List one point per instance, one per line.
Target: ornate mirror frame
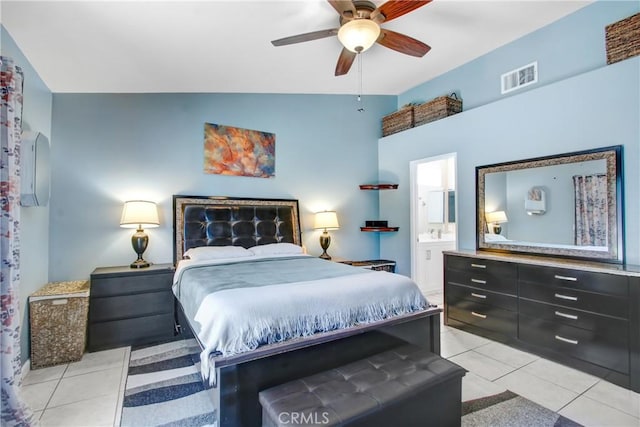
(614, 250)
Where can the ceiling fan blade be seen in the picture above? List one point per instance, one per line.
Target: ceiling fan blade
(345, 60)
(402, 43)
(394, 9)
(345, 8)
(315, 35)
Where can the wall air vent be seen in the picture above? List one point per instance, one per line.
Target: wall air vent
(519, 78)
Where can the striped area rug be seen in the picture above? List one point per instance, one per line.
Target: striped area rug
(164, 388)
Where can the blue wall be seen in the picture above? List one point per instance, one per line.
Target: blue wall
(578, 103)
(114, 147)
(595, 109)
(572, 45)
(34, 230)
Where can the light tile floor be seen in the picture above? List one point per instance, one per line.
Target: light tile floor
(89, 393)
(495, 367)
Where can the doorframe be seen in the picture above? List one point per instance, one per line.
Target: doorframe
(413, 204)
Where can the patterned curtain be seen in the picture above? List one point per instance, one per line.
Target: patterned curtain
(14, 411)
(591, 210)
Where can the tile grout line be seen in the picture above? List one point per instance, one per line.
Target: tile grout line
(46, 406)
(122, 387)
(578, 396)
(515, 369)
(604, 403)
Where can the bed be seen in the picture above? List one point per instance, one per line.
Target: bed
(264, 313)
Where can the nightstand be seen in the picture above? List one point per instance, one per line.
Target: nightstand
(373, 264)
(130, 306)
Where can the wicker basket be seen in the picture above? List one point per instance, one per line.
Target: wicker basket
(437, 109)
(623, 39)
(58, 319)
(398, 121)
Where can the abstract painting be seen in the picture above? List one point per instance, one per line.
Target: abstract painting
(243, 152)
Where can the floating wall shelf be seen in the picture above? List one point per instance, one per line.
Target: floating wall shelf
(378, 186)
(380, 229)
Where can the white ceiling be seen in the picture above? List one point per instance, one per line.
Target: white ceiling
(224, 46)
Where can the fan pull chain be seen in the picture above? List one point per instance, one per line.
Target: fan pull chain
(360, 107)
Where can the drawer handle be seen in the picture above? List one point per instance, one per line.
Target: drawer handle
(473, 294)
(482, 316)
(482, 282)
(567, 340)
(567, 278)
(567, 297)
(59, 301)
(478, 266)
(567, 316)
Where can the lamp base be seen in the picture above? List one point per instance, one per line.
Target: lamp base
(140, 263)
(497, 229)
(139, 241)
(325, 241)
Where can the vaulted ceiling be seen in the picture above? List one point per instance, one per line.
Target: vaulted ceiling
(224, 46)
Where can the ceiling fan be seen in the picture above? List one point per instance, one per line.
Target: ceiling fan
(360, 29)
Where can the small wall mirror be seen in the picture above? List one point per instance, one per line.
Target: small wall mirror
(567, 205)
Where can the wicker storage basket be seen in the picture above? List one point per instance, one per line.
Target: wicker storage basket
(58, 319)
(623, 39)
(437, 109)
(398, 121)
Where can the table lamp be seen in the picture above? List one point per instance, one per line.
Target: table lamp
(327, 220)
(495, 219)
(139, 214)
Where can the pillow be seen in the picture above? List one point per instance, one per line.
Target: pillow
(276, 249)
(216, 252)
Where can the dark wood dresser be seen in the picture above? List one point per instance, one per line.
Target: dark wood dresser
(130, 306)
(584, 315)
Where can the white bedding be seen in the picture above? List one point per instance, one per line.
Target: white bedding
(236, 320)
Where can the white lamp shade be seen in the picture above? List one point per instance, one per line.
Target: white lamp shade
(496, 217)
(327, 220)
(359, 35)
(139, 213)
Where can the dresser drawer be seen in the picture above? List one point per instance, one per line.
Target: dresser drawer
(601, 325)
(456, 293)
(577, 299)
(139, 330)
(125, 306)
(607, 284)
(125, 285)
(485, 316)
(611, 352)
(486, 274)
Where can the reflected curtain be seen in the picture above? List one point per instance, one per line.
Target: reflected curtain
(14, 410)
(591, 210)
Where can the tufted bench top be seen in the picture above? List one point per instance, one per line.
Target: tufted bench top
(356, 390)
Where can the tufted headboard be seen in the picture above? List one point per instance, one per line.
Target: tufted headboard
(223, 221)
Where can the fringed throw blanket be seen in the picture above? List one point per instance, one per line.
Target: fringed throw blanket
(239, 306)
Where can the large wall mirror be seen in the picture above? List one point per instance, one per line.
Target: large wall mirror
(567, 205)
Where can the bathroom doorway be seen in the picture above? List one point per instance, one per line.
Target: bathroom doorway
(433, 218)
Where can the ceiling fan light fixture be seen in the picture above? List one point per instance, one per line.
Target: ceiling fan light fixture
(359, 35)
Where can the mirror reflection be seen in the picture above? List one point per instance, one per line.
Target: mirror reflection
(565, 205)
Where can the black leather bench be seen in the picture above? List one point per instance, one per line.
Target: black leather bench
(407, 386)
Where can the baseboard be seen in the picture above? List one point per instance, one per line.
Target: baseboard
(26, 368)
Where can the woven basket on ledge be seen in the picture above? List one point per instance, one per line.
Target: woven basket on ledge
(436, 109)
(398, 121)
(623, 39)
